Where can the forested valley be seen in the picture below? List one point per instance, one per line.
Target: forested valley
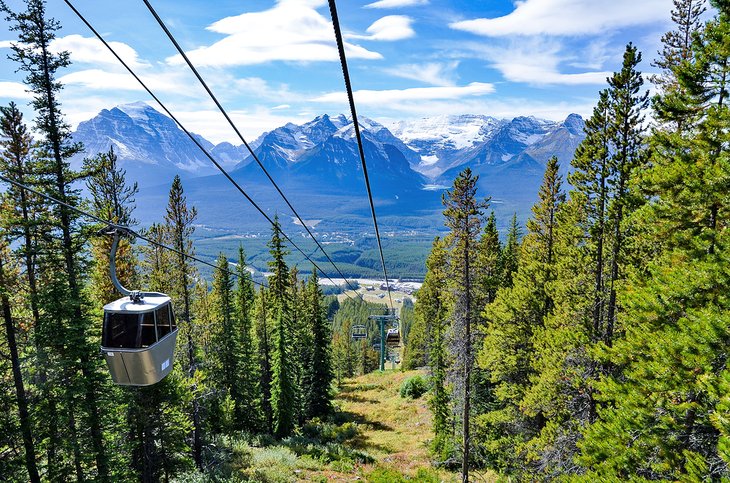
(589, 345)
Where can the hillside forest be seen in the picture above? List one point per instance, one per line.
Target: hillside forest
(589, 345)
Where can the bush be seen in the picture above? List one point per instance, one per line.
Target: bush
(414, 387)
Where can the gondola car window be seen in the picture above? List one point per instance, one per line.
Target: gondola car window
(163, 321)
(148, 335)
(172, 318)
(120, 330)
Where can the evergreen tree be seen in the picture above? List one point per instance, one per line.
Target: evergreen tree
(248, 407)
(513, 319)
(264, 347)
(463, 215)
(319, 372)
(282, 389)
(663, 415)
(65, 299)
(511, 252)
(179, 228)
(433, 306)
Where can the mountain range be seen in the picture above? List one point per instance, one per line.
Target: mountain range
(317, 164)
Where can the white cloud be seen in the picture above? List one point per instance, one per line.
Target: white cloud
(14, 90)
(293, 30)
(395, 3)
(6, 44)
(388, 28)
(533, 61)
(568, 17)
(434, 73)
(101, 80)
(411, 94)
(87, 50)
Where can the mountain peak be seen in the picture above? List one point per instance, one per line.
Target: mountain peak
(139, 110)
(574, 123)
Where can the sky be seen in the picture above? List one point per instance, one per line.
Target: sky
(275, 61)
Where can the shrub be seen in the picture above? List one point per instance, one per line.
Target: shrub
(414, 387)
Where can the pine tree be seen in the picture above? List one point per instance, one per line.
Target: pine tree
(663, 415)
(319, 373)
(464, 215)
(248, 408)
(282, 390)
(518, 312)
(433, 306)
(179, 228)
(6, 287)
(113, 200)
(511, 252)
(66, 300)
(264, 347)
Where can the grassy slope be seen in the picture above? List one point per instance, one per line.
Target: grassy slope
(394, 430)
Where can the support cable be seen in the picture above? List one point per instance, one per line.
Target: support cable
(356, 125)
(240, 136)
(109, 224)
(193, 138)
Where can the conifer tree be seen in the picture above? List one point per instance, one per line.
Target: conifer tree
(34, 55)
(26, 430)
(113, 200)
(282, 390)
(433, 305)
(511, 252)
(248, 408)
(319, 372)
(464, 215)
(264, 346)
(179, 228)
(663, 415)
(518, 312)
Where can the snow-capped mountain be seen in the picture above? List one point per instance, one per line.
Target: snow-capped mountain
(437, 140)
(149, 142)
(448, 143)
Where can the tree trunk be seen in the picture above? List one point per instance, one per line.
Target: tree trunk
(25, 426)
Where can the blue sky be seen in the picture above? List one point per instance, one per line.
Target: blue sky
(275, 61)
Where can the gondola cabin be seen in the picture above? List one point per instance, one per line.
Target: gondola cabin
(392, 338)
(138, 339)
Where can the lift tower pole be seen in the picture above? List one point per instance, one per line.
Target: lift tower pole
(382, 320)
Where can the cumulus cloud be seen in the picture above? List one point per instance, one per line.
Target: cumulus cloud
(388, 28)
(292, 30)
(395, 3)
(14, 90)
(534, 61)
(568, 17)
(411, 94)
(87, 50)
(434, 73)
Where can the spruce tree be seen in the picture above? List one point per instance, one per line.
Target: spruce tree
(319, 372)
(518, 312)
(34, 55)
(264, 348)
(663, 416)
(248, 407)
(463, 214)
(511, 252)
(179, 228)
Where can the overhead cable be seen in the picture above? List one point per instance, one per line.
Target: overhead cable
(356, 125)
(240, 136)
(194, 139)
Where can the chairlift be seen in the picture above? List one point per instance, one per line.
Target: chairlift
(359, 332)
(139, 332)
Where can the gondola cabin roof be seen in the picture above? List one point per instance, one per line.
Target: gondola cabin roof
(147, 304)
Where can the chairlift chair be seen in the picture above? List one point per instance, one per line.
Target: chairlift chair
(139, 332)
(359, 332)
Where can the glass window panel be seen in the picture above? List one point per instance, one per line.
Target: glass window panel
(148, 336)
(163, 320)
(120, 330)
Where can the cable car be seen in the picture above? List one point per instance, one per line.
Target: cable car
(359, 332)
(392, 338)
(139, 333)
